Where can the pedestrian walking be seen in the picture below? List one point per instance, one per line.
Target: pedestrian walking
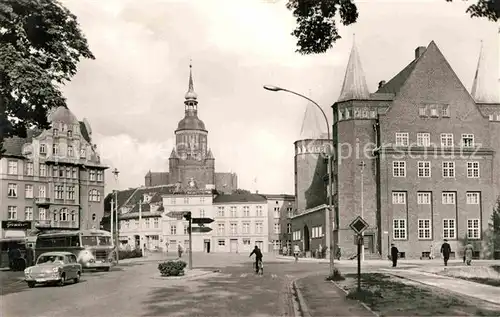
(285, 251)
(446, 251)
(469, 250)
(296, 251)
(431, 252)
(180, 249)
(394, 255)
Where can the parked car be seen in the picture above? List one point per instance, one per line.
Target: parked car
(53, 267)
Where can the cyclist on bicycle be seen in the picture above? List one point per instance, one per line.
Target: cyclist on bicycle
(258, 257)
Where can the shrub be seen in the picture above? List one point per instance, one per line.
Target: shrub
(172, 268)
(335, 276)
(128, 254)
(364, 295)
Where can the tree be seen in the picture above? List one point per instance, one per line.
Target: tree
(316, 30)
(40, 46)
(495, 230)
(240, 191)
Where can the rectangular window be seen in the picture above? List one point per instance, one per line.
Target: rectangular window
(467, 140)
(423, 198)
(12, 167)
(92, 175)
(100, 176)
(296, 235)
(399, 169)
(448, 169)
(233, 211)
(221, 229)
(59, 192)
(156, 222)
(472, 169)
(449, 229)
(68, 172)
(11, 213)
(71, 153)
(289, 228)
(186, 229)
(220, 211)
(289, 212)
(446, 139)
(55, 149)
(43, 169)
(29, 169)
(28, 213)
(41, 191)
(71, 193)
(258, 211)
(202, 200)
(147, 223)
(402, 139)
(399, 229)
(423, 139)
(399, 198)
(246, 211)
(424, 229)
(317, 232)
(202, 213)
(172, 201)
(234, 228)
(258, 227)
(221, 243)
(473, 229)
(445, 111)
(186, 200)
(246, 227)
(448, 198)
(12, 190)
(434, 111)
(42, 214)
(276, 228)
(61, 171)
(43, 149)
(276, 212)
(75, 175)
(422, 111)
(424, 169)
(28, 191)
(472, 198)
(173, 229)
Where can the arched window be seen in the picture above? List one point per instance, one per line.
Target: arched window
(64, 214)
(73, 215)
(98, 195)
(55, 214)
(94, 217)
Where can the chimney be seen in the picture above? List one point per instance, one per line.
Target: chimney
(381, 84)
(419, 51)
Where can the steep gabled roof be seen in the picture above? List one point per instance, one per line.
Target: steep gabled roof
(394, 85)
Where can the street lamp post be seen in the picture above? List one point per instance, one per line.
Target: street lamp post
(114, 230)
(330, 223)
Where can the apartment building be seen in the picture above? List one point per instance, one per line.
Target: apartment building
(427, 166)
(241, 222)
(281, 208)
(53, 179)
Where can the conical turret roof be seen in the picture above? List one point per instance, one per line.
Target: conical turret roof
(354, 86)
(480, 91)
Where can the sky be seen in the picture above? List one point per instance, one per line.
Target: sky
(133, 92)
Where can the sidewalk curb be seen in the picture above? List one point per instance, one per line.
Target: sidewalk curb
(362, 304)
(432, 286)
(302, 308)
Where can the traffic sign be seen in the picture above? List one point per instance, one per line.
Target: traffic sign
(177, 214)
(201, 229)
(202, 220)
(359, 225)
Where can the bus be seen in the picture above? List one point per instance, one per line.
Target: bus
(93, 248)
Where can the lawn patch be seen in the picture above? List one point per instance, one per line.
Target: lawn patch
(391, 296)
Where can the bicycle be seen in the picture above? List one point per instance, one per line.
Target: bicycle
(260, 268)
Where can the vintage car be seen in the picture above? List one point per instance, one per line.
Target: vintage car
(53, 267)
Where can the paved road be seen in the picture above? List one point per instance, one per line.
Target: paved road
(137, 290)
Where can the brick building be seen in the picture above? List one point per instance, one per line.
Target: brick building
(418, 158)
(53, 179)
(191, 158)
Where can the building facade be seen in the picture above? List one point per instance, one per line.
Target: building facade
(191, 158)
(281, 208)
(53, 179)
(241, 222)
(417, 160)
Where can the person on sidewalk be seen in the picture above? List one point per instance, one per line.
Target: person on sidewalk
(296, 252)
(285, 251)
(394, 255)
(180, 249)
(431, 252)
(446, 251)
(469, 250)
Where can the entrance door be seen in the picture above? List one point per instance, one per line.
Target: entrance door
(368, 243)
(260, 244)
(234, 246)
(206, 245)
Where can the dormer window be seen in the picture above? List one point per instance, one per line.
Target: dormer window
(422, 111)
(55, 132)
(70, 133)
(434, 111)
(445, 111)
(82, 153)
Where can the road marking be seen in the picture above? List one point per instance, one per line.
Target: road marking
(244, 275)
(289, 276)
(274, 276)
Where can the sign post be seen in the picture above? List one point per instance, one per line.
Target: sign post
(190, 242)
(359, 225)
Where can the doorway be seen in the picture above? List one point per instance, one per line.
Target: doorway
(369, 244)
(307, 246)
(233, 246)
(206, 245)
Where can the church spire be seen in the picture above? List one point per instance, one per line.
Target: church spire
(190, 94)
(480, 91)
(312, 122)
(354, 86)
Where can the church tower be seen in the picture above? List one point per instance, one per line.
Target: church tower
(191, 159)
